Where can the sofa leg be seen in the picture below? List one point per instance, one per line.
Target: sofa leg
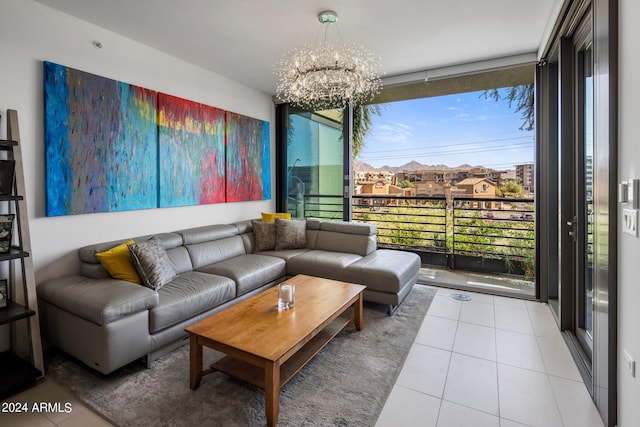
(392, 309)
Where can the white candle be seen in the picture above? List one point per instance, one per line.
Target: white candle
(287, 293)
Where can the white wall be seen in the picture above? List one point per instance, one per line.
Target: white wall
(628, 246)
(31, 33)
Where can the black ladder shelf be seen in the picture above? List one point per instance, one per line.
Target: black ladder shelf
(19, 367)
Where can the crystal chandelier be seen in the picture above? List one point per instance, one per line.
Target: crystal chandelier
(328, 75)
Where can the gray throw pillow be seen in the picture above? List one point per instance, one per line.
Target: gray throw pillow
(291, 234)
(264, 234)
(152, 263)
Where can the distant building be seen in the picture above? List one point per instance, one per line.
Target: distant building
(509, 175)
(372, 188)
(525, 176)
(472, 183)
(477, 188)
(380, 188)
(430, 188)
(364, 176)
(451, 175)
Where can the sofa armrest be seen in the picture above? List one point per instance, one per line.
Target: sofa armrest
(100, 301)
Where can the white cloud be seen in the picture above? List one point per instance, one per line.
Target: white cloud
(396, 132)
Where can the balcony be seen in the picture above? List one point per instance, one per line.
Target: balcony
(483, 244)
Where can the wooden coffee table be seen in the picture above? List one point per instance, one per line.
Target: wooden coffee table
(266, 346)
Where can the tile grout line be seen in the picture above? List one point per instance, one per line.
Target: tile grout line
(548, 376)
(495, 329)
(451, 352)
(495, 344)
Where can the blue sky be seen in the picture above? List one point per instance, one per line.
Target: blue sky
(448, 130)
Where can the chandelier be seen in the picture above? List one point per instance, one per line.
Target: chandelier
(328, 74)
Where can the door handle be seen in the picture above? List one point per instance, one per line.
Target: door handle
(573, 228)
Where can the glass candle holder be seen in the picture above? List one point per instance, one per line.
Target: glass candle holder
(286, 296)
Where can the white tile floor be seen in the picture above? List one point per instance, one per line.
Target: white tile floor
(491, 361)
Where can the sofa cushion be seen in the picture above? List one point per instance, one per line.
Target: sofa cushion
(210, 252)
(118, 262)
(152, 262)
(384, 270)
(249, 271)
(264, 235)
(100, 301)
(188, 295)
(290, 234)
(243, 226)
(321, 263)
(207, 233)
(285, 255)
(95, 271)
(180, 259)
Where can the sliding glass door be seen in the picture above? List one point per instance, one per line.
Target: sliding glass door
(576, 136)
(314, 158)
(583, 283)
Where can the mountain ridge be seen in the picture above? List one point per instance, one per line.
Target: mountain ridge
(411, 166)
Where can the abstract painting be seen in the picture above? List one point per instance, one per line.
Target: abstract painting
(111, 146)
(248, 159)
(191, 150)
(100, 142)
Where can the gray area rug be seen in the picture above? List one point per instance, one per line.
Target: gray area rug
(346, 384)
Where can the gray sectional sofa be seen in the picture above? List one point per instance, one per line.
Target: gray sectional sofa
(107, 323)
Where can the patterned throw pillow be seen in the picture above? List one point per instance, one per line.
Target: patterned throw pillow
(265, 235)
(153, 263)
(291, 234)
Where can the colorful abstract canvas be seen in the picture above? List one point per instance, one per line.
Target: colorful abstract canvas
(248, 159)
(191, 149)
(100, 142)
(111, 146)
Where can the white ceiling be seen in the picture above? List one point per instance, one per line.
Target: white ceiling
(243, 39)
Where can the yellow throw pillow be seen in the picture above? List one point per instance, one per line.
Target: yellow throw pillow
(271, 217)
(118, 262)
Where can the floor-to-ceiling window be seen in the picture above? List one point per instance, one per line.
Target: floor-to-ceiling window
(575, 138)
(313, 159)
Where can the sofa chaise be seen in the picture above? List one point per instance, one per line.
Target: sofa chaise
(107, 323)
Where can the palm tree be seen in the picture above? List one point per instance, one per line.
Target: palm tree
(362, 126)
